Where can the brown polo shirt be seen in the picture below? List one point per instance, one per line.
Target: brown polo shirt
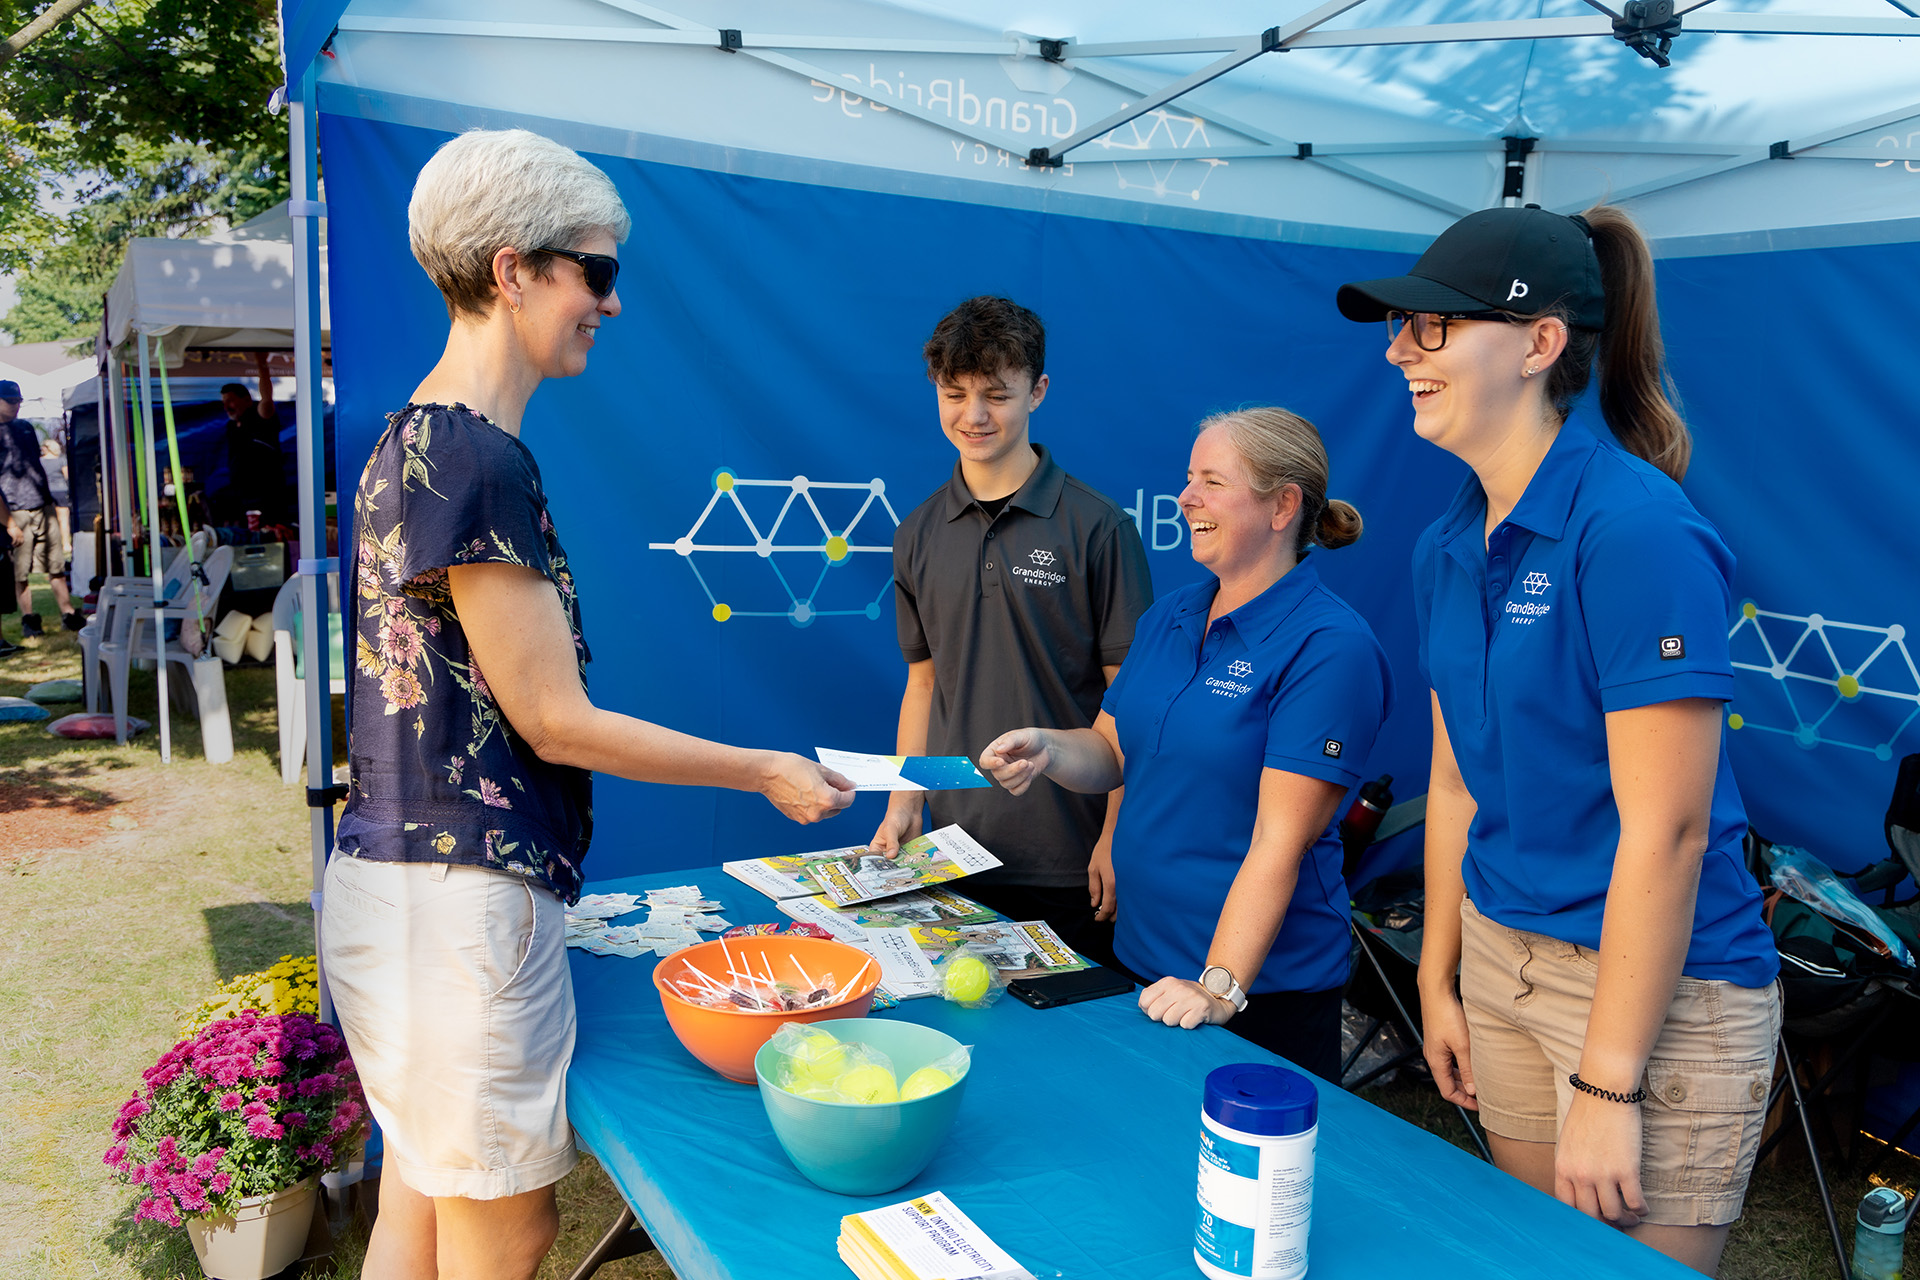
(1019, 613)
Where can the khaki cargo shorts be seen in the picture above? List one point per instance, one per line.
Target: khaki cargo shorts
(454, 992)
(37, 550)
(1527, 998)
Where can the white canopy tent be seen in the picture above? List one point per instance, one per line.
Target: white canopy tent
(232, 290)
(235, 291)
(1359, 122)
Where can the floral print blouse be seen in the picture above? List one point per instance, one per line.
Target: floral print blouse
(438, 775)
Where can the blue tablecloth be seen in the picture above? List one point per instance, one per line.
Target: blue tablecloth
(1076, 1149)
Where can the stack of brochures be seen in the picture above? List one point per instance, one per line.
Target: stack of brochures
(895, 909)
(926, 1238)
(852, 875)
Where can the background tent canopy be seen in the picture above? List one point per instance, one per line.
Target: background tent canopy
(231, 290)
(1376, 124)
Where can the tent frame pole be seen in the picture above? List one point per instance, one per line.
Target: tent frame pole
(114, 466)
(156, 562)
(314, 565)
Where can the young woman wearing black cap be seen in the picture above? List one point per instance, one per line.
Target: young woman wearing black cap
(1615, 1017)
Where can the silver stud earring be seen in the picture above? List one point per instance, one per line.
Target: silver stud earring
(1530, 372)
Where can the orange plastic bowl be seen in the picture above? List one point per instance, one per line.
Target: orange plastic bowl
(727, 1041)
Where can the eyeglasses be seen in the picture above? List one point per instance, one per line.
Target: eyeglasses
(601, 269)
(1430, 327)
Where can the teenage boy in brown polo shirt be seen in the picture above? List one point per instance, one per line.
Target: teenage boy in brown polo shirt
(1017, 588)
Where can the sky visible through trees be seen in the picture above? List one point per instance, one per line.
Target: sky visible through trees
(139, 118)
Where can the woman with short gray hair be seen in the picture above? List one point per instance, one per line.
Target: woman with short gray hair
(473, 739)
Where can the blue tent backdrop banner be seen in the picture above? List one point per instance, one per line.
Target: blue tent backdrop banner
(727, 474)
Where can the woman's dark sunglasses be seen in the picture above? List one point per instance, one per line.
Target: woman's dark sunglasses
(601, 269)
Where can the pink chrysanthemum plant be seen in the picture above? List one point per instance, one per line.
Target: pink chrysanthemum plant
(245, 1107)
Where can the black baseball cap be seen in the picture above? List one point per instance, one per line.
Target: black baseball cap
(1523, 260)
(9, 389)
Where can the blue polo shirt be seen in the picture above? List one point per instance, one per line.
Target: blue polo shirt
(1602, 591)
(1291, 680)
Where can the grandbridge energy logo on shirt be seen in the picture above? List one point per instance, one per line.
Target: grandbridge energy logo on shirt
(1536, 584)
(1038, 573)
(1240, 669)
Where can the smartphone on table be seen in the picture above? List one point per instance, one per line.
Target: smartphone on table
(1052, 990)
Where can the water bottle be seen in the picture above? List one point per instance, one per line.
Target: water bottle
(1363, 819)
(1879, 1235)
(1257, 1129)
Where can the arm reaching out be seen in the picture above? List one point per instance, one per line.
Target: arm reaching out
(522, 642)
(1078, 759)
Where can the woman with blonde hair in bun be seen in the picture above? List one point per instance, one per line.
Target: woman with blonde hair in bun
(1243, 714)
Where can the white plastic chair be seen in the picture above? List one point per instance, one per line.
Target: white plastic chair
(290, 690)
(120, 595)
(133, 590)
(191, 607)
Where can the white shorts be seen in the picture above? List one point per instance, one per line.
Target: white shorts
(453, 989)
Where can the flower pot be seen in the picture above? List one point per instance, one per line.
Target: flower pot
(263, 1238)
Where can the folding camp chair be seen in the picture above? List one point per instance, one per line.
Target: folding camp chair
(1842, 993)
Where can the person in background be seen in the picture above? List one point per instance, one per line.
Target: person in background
(8, 599)
(1016, 590)
(54, 462)
(473, 742)
(1241, 718)
(1616, 1011)
(30, 514)
(256, 469)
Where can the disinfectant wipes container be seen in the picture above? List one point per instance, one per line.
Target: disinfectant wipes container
(1257, 1129)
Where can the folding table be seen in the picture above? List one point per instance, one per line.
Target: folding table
(1076, 1149)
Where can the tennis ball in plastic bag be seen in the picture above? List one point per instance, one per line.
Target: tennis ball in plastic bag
(926, 1080)
(821, 1061)
(810, 1059)
(967, 980)
(869, 1083)
(941, 1073)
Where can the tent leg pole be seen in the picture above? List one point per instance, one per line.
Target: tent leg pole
(155, 561)
(314, 565)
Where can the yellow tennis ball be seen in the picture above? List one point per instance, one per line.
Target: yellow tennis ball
(821, 1059)
(870, 1084)
(968, 979)
(923, 1082)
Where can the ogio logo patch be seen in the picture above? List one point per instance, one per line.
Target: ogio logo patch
(1332, 749)
(1672, 647)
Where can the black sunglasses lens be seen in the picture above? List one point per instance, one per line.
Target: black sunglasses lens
(601, 271)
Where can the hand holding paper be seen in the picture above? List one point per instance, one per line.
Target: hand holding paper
(1016, 758)
(902, 773)
(803, 790)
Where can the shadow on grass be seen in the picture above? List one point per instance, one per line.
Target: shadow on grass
(153, 1250)
(54, 784)
(250, 936)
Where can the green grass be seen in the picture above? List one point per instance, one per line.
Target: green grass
(130, 888)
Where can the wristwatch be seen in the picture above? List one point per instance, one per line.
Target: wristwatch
(1218, 980)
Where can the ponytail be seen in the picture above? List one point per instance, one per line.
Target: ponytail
(1636, 394)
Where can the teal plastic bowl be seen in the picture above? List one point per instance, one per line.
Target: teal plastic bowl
(855, 1148)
